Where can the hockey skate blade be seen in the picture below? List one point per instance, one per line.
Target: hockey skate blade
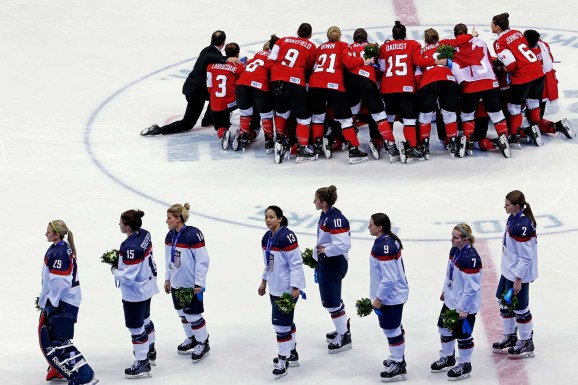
(357, 160)
(400, 377)
(305, 159)
(414, 160)
(207, 354)
(138, 376)
(278, 376)
(344, 348)
(500, 351)
(521, 356)
(374, 151)
(225, 140)
(185, 353)
(462, 377)
(292, 364)
(441, 370)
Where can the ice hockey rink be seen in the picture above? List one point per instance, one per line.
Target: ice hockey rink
(81, 79)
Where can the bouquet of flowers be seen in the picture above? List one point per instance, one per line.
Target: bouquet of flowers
(371, 50)
(509, 299)
(450, 319)
(286, 303)
(38, 308)
(110, 257)
(364, 307)
(184, 296)
(445, 51)
(308, 260)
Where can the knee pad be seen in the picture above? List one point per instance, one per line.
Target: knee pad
(192, 318)
(267, 115)
(318, 118)
(409, 122)
(284, 115)
(496, 116)
(304, 122)
(345, 122)
(445, 333)
(467, 116)
(247, 112)
(449, 116)
(532, 104)
(425, 117)
(514, 109)
(355, 109)
(467, 343)
(390, 333)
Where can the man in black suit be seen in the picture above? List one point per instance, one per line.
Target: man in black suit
(195, 88)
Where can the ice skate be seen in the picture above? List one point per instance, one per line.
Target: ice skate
(281, 367)
(374, 147)
(460, 372)
(523, 349)
(394, 372)
(503, 145)
(453, 147)
(461, 146)
(514, 141)
(534, 135)
(508, 341)
(292, 360)
(356, 155)
(151, 131)
(443, 364)
(305, 154)
(140, 369)
(340, 343)
(201, 351)
(187, 346)
(328, 147)
(563, 127)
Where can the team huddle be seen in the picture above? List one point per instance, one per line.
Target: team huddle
(311, 101)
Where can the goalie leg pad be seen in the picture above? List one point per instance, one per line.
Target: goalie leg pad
(65, 359)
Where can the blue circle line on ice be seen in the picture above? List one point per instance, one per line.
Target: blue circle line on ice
(94, 115)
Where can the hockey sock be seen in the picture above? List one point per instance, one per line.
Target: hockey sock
(385, 130)
(293, 336)
(317, 129)
(267, 124)
(466, 348)
(245, 123)
(186, 327)
(424, 131)
(486, 144)
(280, 124)
(448, 342)
(501, 127)
(468, 128)
(350, 135)
(396, 342)
(534, 115)
(452, 130)
(409, 132)
(302, 134)
(284, 341)
(515, 123)
(140, 343)
(199, 327)
(150, 329)
(525, 325)
(509, 323)
(547, 127)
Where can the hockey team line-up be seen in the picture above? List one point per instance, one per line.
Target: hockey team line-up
(187, 264)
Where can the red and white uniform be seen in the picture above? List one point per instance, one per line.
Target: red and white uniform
(433, 73)
(512, 49)
(291, 60)
(332, 57)
(367, 71)
(255, 74)
(398, 59)
(542, 51)
(221, 82)
(472, 64)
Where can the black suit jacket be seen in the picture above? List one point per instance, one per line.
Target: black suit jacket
(196, 82)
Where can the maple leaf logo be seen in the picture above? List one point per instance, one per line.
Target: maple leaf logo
(470, 55)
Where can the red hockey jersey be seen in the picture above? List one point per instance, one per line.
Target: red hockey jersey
(291, 60)
(221, 82)
(512, 49)
(255, 74)
(331, 59)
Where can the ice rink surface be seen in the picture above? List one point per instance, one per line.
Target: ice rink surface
(81, 79)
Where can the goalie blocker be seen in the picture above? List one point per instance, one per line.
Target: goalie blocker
(64, 357)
